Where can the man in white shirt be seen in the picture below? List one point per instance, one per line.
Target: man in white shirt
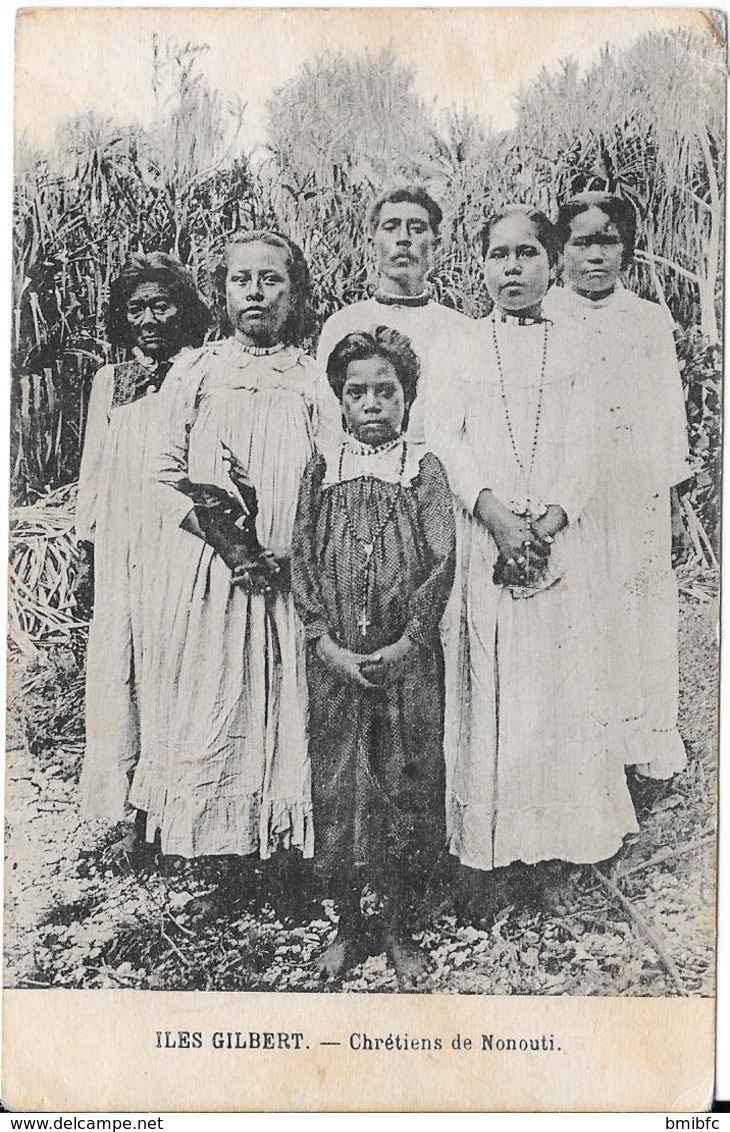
(404, 227)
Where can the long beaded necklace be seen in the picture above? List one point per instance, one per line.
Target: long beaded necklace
(526, 506)
(367, 545)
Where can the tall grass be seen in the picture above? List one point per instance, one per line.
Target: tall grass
(340, 131)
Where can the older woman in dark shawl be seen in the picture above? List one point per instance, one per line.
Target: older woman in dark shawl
(154, 312)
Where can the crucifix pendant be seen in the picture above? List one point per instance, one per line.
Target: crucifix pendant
(363, 623)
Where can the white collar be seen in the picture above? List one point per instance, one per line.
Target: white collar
(238, 356)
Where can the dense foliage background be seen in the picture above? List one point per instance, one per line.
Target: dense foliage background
(646, 122)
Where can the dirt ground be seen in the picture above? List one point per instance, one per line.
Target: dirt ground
(642, 925)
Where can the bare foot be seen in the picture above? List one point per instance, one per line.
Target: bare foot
(557, 895)
(209, 907)
(410, 963)
(127, 853)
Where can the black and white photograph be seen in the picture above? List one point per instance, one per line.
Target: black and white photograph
(365, 469)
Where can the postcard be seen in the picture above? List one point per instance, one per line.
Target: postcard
(363, 664)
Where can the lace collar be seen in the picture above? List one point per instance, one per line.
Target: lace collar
(281, 359)
(357, 448)
(358, 461)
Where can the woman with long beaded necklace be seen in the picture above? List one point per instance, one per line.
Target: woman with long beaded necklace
(226, 773)
(372, 569)
(530, 777)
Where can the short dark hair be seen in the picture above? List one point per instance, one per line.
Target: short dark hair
(301, 321)
(544, 228)
(619, 210)
(410, 194)
(378, 342)
(166, 270)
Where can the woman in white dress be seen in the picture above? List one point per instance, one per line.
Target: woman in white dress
(228, 772)
(154, 312)
(631, 352)
(530, 777)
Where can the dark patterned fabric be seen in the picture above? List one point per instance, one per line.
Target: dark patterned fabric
(377, 755)
(132, 381)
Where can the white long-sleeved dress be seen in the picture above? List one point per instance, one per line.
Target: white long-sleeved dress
(226, 770)
(530, 774)
(111, 512)
(630, 349)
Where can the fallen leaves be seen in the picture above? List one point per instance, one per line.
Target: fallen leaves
(71, 922)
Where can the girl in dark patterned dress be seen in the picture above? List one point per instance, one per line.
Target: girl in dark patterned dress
(372, 569)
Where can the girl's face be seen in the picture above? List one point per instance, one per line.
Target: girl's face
(154, 321)
(372, 401)
(593, 254)
(258, 293)
(517, 269)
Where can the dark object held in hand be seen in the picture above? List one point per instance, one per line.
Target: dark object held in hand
(229, 526)
(525, 570)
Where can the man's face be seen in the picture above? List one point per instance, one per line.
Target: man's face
(404, 244)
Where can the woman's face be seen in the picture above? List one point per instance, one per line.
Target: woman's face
(517, 269)
(372, 401)
(258, 292)
(593, 253)
(154, 321)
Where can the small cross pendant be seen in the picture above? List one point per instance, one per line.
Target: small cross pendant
(363, 624)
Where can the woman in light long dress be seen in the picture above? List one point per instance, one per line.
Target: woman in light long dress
(154, 312)
(530, 776)
(631, 352)
(228, 772)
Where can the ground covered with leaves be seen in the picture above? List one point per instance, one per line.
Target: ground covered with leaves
(642, 924)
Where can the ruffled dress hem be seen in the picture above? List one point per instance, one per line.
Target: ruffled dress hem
(232, 827)
(565, 833)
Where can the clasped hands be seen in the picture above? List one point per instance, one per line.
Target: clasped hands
(370, 670)
(523, 541)
(523, 553)
(262, 573)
